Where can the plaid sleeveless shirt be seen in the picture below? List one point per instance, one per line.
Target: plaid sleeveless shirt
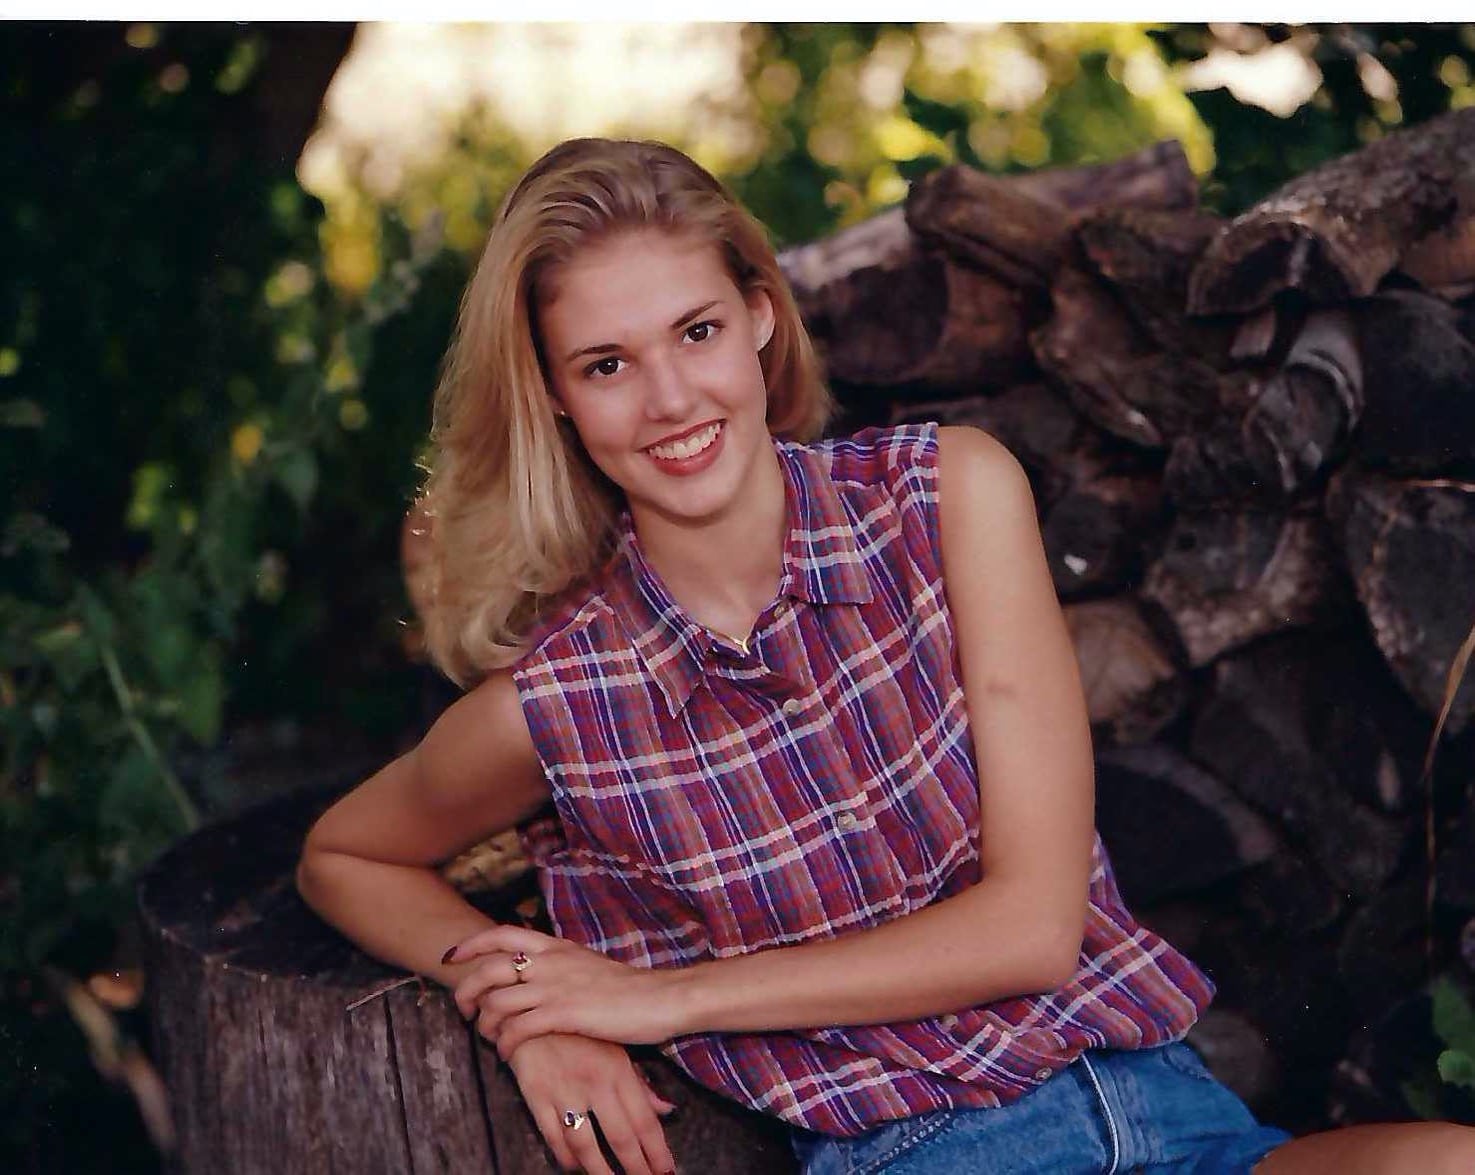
(714, 801)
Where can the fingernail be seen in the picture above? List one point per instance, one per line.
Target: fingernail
(450, 954)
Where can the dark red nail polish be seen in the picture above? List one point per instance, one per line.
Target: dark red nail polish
(450, 952)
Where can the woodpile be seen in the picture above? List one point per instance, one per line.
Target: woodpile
(1252, 443)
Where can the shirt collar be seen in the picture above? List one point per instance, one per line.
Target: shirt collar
(822, 565)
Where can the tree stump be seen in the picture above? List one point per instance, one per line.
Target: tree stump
(285, 1048)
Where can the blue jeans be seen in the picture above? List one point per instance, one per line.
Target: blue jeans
(1111, 1112)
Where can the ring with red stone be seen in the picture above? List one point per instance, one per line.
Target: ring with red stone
(520, 963)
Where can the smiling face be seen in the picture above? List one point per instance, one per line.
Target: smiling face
(652, 350)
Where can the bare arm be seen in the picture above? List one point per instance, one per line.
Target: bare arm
(1017, 931)
(367, 864)
(367, 868)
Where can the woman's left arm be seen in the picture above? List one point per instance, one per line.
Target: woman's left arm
(1018, 931)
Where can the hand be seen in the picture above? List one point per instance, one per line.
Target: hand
(563, 987)
(557, 1073)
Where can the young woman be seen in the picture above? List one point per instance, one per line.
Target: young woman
(811, 721)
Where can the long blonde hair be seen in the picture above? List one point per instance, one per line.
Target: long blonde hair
(519, 513)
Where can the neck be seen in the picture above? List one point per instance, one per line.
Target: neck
(724, 571)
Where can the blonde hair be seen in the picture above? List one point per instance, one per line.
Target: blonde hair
(519, 514)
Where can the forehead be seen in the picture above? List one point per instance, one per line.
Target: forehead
(633, 281)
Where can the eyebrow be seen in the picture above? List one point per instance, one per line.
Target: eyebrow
(606, 348)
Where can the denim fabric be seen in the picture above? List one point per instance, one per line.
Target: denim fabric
(1156, 1110)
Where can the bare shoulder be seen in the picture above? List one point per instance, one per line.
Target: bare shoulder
(979, 479)
(481, 738)
(476, 773)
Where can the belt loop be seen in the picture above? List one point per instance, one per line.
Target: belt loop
(1116, 1149)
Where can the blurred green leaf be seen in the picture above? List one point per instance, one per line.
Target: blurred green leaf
(21, 414)
(1454, 1019)
(297, 473)
(70, 652)
(1457, 1068)
(29, 531)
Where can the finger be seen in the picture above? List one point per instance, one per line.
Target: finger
(495, 1011)
(620, 1133)
(494, 973)
(551, 1127)
(584, 1142)
(637, 1097)
(508, 939)
(517, 1030)
(659, 1104)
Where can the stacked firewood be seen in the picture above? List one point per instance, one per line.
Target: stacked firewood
(1252, 443)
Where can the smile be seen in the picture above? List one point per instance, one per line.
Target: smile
(688, 446)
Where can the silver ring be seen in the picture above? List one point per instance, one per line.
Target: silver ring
(520, 962)
(574, 1120)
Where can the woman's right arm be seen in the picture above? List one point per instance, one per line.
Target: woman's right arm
(368, 868)
(368, 864)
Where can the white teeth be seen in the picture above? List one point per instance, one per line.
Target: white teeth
(687, 447)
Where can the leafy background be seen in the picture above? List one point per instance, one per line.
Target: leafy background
(214, 384)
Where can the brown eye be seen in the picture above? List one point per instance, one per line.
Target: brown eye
(610, 365)
(700, 332)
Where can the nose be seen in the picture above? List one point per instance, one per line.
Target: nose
(668, 395)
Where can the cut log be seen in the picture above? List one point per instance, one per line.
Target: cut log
(1290, 895)
(1133, 689)
(1018, 227)
(1381, 955)
(1256, 733)
(1444, 261)
(1091, 348)
(1405, 544)
(1454, 874)
(1142, 790)
(1035, 423)
(1299, 422)
(1334, 233)
(286, 1049)
(1154, 177)
(990, 223)
(1237, 1053)
(1094, 533)
(1295, 423)
(1226, 579)
(1419, 413)
(883, 310)
(1147, 255)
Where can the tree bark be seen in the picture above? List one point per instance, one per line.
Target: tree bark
(286, 1049)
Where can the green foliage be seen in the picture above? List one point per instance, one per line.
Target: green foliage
(1444, 1092)
(175, 373)
(1454, 1022)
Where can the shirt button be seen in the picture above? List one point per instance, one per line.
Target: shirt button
(846, 820)
(1044, 1074)
(793, 706)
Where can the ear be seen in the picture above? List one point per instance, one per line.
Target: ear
(760, 307)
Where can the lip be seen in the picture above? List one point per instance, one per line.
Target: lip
(681, 436)
(698, 462)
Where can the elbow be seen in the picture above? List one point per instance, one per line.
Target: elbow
(1058, 957)
(304, 877)
(308, 876)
